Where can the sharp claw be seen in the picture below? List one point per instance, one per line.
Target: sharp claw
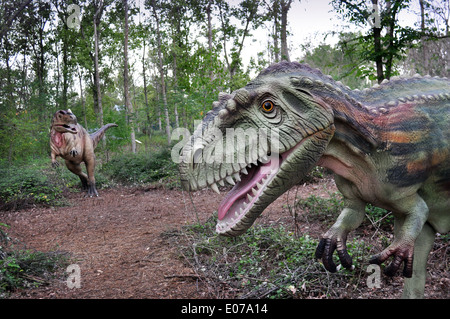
(320, 248)
(327, 259)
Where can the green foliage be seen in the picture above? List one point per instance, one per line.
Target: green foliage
(319, 208)
(24, 268)
(22, 186)
(267, 261)
(143, 168)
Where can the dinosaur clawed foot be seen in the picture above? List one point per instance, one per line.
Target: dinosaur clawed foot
(402, 252)
(325, 249)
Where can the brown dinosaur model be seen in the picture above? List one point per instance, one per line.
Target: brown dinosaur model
(72, 142)
(388, 146)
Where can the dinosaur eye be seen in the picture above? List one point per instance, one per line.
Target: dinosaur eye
(267, 106)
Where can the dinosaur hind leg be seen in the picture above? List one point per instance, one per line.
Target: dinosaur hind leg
(76, 169)
(90, 166)
(414, 287)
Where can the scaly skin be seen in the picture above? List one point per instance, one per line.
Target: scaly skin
(72, 142)
(388, 146)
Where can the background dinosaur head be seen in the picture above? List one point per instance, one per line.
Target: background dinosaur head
(64, 121)
(263, 139)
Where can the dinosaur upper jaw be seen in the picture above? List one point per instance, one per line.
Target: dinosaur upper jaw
(264, 183)
(66, 128)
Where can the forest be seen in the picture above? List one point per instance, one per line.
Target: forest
(152, 66)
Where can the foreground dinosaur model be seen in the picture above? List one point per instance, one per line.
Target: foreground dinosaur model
(72, 142)
(388, 145)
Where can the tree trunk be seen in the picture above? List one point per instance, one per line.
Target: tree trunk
(83, 105)
(285, 6)
(147, 108)
(210, 40)
(378, 50)
(161, 72)
(275, 13)
(128, 104)
(97, 16)
(424, 47)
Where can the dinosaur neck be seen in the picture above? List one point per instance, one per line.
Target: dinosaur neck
(353, 121)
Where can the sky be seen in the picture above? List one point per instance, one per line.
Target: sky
(309, 21)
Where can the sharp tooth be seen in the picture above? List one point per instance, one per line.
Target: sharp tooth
(215, 188)
(250, 198)
(249, 165)
(230, 180)
(221, 183)
(258, 185)
(263, 159)
(241, 210)
(244, 205)
(236, 214)
(254, 191)
(236, 177)
(244, 170)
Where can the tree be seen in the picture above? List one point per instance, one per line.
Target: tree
(128, 104)
(373, 46)
(161, 69)
(98, 5)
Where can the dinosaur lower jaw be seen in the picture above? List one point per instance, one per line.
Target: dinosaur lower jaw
(261, 186)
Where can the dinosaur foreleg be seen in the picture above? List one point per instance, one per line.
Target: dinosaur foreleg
(335, 238)
(76, 169)
(407, 229)
(414, 287)
(54, 161)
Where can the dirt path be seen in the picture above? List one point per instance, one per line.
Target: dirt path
(119, 240)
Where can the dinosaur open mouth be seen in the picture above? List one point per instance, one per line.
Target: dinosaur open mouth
(68, 128)
(261, 183)
(247, 193)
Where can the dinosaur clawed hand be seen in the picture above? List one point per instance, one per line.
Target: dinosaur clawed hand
(401, 251)
(326, 247)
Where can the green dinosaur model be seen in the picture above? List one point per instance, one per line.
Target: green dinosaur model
(388, 146)
(72, 142)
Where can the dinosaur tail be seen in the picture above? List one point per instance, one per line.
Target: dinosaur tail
(98, 135)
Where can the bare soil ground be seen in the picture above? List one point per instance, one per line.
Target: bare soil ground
(119, 242)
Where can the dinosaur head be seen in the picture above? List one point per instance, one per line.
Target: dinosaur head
(263, 139)
(64, 121)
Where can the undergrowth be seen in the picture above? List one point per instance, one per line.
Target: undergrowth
(267, 261)
(25, 268)
(143, 168)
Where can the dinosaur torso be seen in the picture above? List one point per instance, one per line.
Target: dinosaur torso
(409, 146)
(71, 146)
(388, 145)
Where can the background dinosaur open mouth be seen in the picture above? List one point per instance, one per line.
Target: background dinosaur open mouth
(68, 128)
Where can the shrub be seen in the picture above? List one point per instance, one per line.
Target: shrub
(142, 168)
(23, 268)
(267, 261)
(24, 186)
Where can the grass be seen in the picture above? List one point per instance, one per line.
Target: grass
(266, 262)
(276, 260)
